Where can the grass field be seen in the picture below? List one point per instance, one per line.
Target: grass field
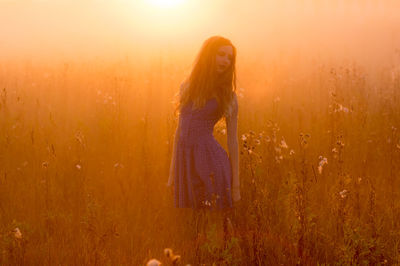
(85, 149)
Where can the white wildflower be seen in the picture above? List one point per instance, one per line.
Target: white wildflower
(78, 166)
(322, 162)
(240, 92)
(343, 194)
(17, 233)
(320, 169)
(207, 203)
(153, 262)
(283, 144)
(168, 253)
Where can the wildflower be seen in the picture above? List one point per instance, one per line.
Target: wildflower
(207, 203)
(343, 194)
(291, 152)
(278, 159)
(17, 233)
(78, 166)
(342, 109)
(277, 99)
(79, 137)
(45, 164)
(175, 259)
(340, 143)
(153, 262)
(244, 138)
(240, 94)
(322, 162)
(257, 141)
(223, 131)
(168, 253)
(283, 144)
(320, 169)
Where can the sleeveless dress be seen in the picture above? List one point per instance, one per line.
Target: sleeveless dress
(201, 169)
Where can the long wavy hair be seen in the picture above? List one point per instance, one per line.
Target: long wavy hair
(204, 82)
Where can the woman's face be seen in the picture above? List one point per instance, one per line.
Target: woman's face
(223, 58)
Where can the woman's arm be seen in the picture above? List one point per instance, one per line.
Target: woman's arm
(233, 148)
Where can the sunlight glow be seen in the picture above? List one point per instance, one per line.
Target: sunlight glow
(165, 3)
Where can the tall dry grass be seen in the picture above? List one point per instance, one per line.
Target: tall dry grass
(85, 150)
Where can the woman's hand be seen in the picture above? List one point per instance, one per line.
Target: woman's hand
(235, 194)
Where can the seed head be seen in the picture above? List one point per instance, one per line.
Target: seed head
(175, 259)
(343, 194)
(153, 262)
(168, 253)
(17, 233)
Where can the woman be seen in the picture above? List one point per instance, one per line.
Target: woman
(203, 175)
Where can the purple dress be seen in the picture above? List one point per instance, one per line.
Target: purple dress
(201, 170)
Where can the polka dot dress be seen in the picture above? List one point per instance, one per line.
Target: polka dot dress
(201, 169)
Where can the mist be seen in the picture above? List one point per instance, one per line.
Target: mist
(365, 31)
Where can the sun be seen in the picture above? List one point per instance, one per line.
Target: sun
(166, 3)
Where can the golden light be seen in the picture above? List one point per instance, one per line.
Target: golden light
(166, 3)
(164, 19)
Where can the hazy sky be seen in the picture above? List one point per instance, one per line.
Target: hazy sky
(366, 30)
